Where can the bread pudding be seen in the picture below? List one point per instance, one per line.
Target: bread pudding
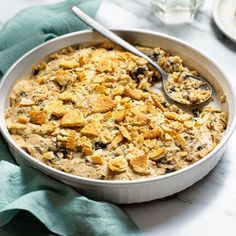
(93, 112)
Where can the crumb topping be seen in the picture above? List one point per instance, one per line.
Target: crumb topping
(92, 112)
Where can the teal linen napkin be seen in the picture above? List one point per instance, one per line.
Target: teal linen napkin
(59, 207)
(37, 24)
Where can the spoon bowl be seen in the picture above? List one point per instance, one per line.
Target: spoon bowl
(203, 89)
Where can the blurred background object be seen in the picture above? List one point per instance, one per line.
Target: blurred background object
(224, 15)
(176, 11)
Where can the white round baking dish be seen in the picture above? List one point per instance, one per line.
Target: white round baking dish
(136, 190)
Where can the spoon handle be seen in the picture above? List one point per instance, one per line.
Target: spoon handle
(112, 37)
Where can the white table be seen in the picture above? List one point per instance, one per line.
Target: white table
(208, 207)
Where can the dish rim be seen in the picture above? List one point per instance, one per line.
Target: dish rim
(218, 22)
(76, 178)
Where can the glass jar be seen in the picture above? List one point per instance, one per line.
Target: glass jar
(176, 11)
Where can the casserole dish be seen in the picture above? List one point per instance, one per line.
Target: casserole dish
(135, 190)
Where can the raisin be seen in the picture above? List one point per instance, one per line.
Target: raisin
(99, 145)
(137, 73)
(155, 76)
(165, 104)
(102, 176)
(140, 70)
(169, 162)
(23, 94)
(35, 71)
(162, 160)
(199, 148)
(196, 112)
(150, 53)
(155, 56)
(145, 90)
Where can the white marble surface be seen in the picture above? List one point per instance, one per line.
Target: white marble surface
(209, 207)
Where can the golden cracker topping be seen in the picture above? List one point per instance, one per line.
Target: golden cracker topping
(92, 112)
(118, 164)
(140, 164)
(103, 104)
(38, 117)
(154, 133)
(90, 130)
(72, 118)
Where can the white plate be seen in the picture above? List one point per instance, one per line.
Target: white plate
(224, 15)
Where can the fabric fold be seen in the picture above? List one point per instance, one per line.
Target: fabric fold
(60, 208)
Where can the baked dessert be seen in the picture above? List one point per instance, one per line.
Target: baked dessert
(92, 112)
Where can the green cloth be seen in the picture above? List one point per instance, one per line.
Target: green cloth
(59, 207)
(38, 24)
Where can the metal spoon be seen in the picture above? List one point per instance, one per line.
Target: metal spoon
(119, 41)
